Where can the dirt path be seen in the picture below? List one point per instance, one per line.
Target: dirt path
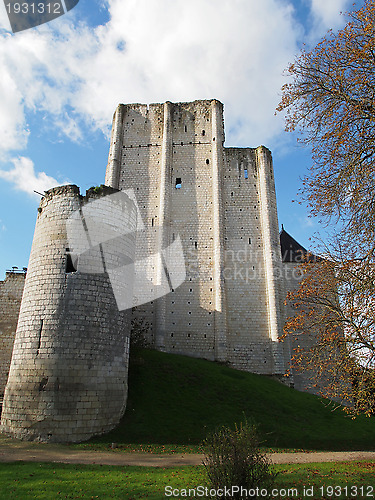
(12, 450)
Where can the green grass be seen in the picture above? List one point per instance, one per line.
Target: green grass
(176, 400)
(328, 480)
(53, 481)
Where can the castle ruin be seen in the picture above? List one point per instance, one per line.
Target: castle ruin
(68, 376)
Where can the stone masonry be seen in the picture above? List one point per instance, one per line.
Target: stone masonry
(68, 375)
(10, 302)
(221, 202)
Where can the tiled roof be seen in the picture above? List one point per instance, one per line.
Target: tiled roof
(291, 250)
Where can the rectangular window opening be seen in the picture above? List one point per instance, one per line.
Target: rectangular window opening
(178, 183)
(246, 174)
(70, 267)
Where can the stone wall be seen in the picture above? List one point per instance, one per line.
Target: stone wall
(10, 302)
(221, 202)
(253, 261)
(293, 254)
(68, 375)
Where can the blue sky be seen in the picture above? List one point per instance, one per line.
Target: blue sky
(61, 82)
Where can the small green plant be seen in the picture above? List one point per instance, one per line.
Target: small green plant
(98, 189)
(233, 459)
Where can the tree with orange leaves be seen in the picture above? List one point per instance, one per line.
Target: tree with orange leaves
(331, 101)
(335, 316)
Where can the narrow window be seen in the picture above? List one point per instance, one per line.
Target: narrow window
(196, 245)
(40, 336)
(70, 267)
(246, 174)
(178, 183)
(152, 222)
(249, 241)
(185, 128)
(203, 132)
(208, 161)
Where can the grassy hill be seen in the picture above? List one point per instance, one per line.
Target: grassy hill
(175, 399)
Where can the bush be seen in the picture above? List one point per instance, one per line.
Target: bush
(138, 334)
(233, 458)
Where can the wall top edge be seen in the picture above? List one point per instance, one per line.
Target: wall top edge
(18, 275)
(73, 191)
(203, 102)
(247, 149)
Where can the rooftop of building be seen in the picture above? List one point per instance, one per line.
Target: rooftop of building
(292, 251)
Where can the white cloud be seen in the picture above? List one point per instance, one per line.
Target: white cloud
(24, 178)
(233, 50)
(4, 21)
(307, 222)
(326, 12)
(13, 130)
(152, 52)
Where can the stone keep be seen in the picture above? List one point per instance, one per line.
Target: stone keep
(68, 374)
(221, 202)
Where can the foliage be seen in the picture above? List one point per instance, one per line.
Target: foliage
(98, 189)
(334, 305)
(138, 335)
(331, 101)
(233, 458)
(178, 400)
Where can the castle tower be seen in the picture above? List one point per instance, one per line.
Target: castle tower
(221, 202)
(68, 374)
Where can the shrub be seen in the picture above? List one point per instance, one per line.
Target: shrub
(138, 335)
(233, 458)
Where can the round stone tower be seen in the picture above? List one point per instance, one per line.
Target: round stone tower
(68, 375)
